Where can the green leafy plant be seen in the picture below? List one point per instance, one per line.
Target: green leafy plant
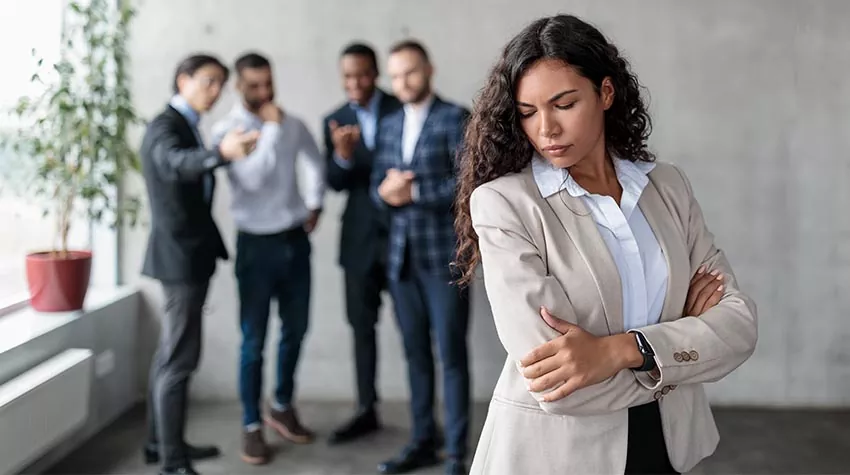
(73, 135)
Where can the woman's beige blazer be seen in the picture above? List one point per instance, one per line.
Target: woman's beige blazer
(548, 252)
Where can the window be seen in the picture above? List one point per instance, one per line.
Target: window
(24, 26)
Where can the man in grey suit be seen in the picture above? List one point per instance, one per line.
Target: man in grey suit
(183, 248)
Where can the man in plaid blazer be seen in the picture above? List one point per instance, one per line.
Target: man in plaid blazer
(414, 179)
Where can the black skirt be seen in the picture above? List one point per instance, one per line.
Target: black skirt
(647, 451)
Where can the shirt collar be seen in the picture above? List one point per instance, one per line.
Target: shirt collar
(372, 105)
(423, 110)
(241, 111)
(551, 180)
(182, 106)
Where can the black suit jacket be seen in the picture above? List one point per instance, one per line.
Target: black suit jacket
(362, 240)
(184, 241)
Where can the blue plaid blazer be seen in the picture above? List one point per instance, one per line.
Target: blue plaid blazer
(423, 231)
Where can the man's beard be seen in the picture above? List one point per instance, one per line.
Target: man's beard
(255, 104)
(422, 94)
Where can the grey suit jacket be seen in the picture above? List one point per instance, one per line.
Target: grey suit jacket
(548, 252)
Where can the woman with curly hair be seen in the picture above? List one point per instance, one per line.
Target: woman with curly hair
(607, 290)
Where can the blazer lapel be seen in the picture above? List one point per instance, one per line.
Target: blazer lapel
(424, 135)
(348, 116)
(385, 107)
(396, 135)
(579, 225)
(184, 124)
(659, 219)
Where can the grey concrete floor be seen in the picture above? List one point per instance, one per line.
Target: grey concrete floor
(752, 442)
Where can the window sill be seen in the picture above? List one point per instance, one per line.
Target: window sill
(19, 326)
(13, 304)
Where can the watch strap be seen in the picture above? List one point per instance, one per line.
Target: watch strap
(647, 353)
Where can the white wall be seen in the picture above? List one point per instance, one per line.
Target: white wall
(750, 98)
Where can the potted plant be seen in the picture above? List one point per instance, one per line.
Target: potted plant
(74, 136)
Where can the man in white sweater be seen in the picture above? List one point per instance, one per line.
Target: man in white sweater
(273, 214)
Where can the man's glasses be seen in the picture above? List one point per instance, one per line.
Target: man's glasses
(209, 81)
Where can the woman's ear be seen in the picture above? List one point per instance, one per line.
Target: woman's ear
(606, 93)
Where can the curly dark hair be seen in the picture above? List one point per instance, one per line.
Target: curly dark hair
(494, 142)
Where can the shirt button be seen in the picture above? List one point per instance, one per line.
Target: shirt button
(665, 390)
(686, 356)
(657, 395)
(694, 355)
(678, 357)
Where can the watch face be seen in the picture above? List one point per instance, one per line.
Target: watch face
(643, 346)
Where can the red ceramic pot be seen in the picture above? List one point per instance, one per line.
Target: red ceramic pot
(58, 281)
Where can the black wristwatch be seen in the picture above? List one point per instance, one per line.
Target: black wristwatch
(646, 351)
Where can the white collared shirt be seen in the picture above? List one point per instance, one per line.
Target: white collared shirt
(633, 246)
(414, 121)
(367, 118)
(267, 196)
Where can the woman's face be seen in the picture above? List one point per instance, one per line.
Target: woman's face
(561, 112)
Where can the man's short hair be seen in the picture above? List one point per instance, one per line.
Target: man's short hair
(251, 60)
(411, 45)
(361, 49)
(192, 64)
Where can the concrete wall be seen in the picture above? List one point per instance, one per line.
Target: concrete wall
(750, 98)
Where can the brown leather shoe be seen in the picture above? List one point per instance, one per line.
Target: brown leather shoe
(286, 424)
(255, 451)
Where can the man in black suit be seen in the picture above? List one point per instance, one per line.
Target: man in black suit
(183, 247)
(350, 136)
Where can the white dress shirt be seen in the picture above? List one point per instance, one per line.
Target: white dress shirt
(414, 121)
(367, 118)
(266, 194)
(633, 246)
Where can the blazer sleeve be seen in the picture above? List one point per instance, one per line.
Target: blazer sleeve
(339, 178)
(517, 285)
(705, 348)
(175, 163)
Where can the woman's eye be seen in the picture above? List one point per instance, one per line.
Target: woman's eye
(565, 106)
(525, 114)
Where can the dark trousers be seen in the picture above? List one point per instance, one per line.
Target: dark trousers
(363, 302)
(176, 358)
(426, 303)
(647, 451)
(271, 266)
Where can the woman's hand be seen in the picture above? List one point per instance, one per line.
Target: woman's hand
(705, 291)
(576, 359)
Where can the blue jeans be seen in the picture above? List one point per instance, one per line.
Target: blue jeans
(271, 266)
(426, 304)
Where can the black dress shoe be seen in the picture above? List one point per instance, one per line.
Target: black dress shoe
(364, 423)
(200, 452)
(411, 458)
(179, 471)
(455, 467)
